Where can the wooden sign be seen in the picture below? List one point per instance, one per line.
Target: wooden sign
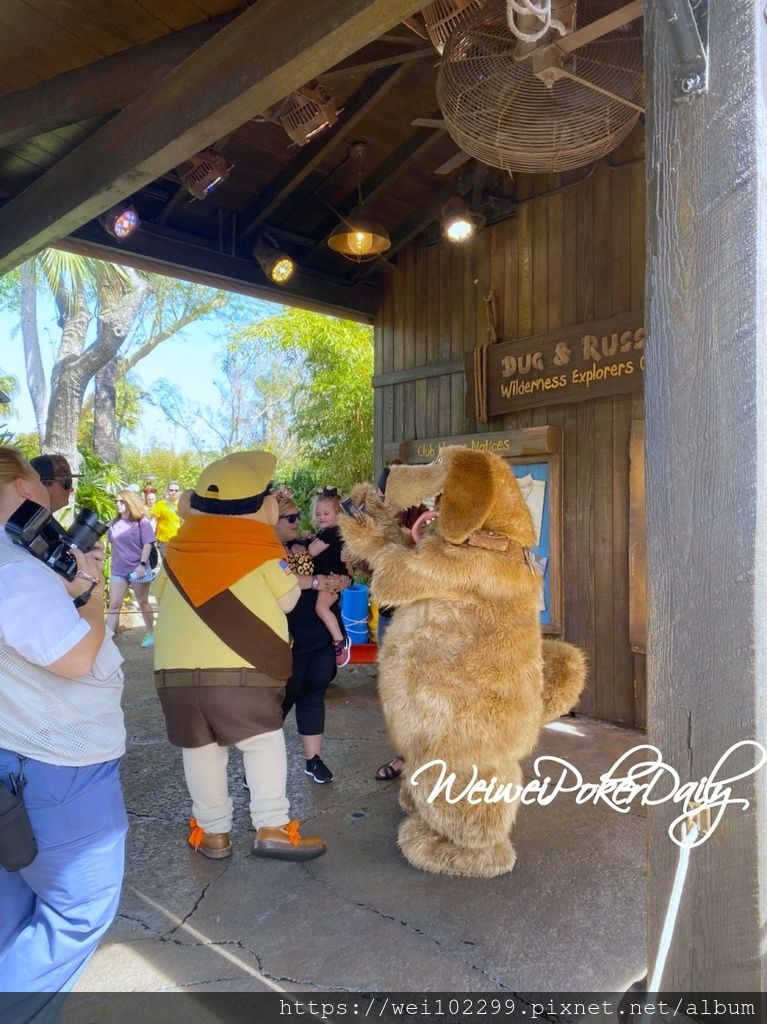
(569, 365)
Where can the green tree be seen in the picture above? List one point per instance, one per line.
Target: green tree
(329, 365)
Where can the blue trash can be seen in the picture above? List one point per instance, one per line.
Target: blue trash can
(354, 612)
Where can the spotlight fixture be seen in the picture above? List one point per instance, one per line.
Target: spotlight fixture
(459, 223)
(203, 172)
(358, 237)
(275, 263)
(120, 221)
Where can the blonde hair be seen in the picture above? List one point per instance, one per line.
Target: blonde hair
(133, 503)
(14, 465)
(332, 499)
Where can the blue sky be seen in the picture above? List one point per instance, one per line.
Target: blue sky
(189, 360)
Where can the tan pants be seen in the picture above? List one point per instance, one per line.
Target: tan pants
(266, 772)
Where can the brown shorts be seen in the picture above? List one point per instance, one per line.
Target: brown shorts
(197, 715)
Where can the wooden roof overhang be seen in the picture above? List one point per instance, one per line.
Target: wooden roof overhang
(99, 102)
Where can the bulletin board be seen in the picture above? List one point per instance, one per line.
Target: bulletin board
(540, 483)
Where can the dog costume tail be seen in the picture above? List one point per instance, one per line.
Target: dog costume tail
(564, 676)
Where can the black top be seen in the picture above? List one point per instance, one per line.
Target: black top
(330, 561)
(307, 629)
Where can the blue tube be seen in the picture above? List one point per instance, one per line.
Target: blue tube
(354, 612)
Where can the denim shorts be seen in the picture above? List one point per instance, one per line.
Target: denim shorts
(126, 579)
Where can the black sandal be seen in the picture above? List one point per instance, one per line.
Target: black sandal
(387, 772)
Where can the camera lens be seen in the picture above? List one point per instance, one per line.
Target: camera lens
(86, 530)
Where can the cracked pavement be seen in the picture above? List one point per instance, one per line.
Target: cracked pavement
(360, 919)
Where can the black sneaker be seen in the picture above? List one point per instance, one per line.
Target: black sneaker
(318, 770)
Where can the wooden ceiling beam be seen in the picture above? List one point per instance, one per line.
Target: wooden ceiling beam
(365, 99)
(167, 252)
(99, 88)
(228, 80)
(381, 62)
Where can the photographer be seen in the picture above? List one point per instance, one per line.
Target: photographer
(61, 739)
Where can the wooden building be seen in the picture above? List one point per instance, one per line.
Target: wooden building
(102, 104)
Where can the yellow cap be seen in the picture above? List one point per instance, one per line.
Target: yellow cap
(236, 476)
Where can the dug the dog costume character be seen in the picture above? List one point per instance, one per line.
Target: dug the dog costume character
(222, 656)
(464, 677)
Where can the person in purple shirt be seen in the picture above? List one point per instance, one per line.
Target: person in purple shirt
(131, 536)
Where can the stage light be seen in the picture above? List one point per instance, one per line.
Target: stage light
(120, 221)
(459, 223)
(276, 264)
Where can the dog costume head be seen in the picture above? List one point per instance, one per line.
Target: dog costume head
(476, 491)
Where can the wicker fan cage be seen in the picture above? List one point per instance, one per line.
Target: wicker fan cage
(201, 173)
(306, 112)
(497, 110)
(443, 16)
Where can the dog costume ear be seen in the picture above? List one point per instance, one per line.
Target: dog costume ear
(468, 495)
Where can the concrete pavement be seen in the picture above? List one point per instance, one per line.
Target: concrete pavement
(571, 916)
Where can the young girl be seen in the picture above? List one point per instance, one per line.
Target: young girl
(326, 551)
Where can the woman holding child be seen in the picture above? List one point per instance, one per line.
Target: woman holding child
(314, 654)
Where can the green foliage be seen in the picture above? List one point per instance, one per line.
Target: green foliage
(28, 444)
(97, 485)
(331, 396)
(9, 388)
(159, 465)
(303, 485)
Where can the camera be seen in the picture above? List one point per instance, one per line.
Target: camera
(33, 527)
(355, 511)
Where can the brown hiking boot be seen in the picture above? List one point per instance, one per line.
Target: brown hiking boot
(214, 845)
(286, 843)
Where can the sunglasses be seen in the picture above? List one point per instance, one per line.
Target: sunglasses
(65, 482)
(293, 517)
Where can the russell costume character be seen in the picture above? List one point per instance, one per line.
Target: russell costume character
(222, 656)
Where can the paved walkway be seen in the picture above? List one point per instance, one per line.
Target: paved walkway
(569, 917)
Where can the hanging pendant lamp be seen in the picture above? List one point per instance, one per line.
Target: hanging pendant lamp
(358, 237)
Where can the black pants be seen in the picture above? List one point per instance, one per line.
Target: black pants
(313, 672)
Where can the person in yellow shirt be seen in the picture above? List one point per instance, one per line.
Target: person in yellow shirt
(166, 516)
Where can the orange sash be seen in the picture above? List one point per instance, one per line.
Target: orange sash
(210, 554)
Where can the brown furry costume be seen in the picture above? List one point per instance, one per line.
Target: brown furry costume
(464, 676)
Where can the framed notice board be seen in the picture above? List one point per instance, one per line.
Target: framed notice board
(540, 482)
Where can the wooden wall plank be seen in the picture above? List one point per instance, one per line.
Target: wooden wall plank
(432, 338)
(623, 659)
(555, 269)
(584, 543)
(570, 257)
(525, 272)
(510, 321)
(602, 563)
(620, 248)
(602, 255)
(584, 255)
(637, 220)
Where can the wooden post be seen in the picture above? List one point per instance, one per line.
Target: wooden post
(706, 409)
